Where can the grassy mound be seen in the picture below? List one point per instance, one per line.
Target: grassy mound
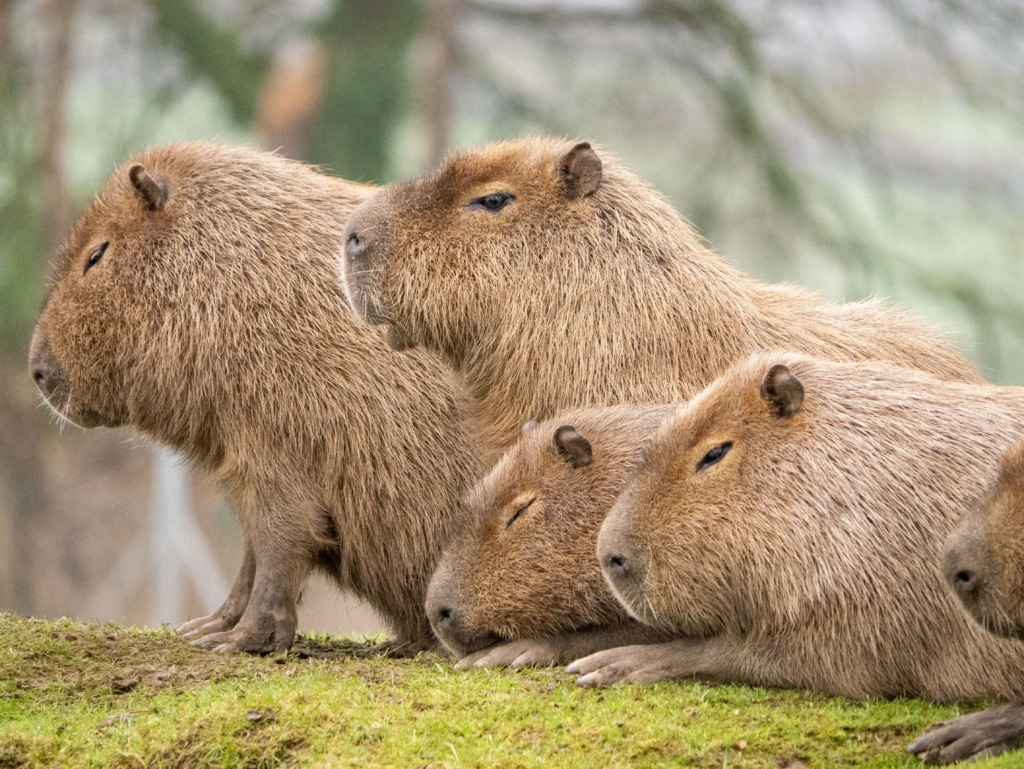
(85, 695)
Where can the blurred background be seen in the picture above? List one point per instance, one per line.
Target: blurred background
(859, 147)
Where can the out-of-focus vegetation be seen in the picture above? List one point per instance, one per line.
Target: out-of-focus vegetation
(859, 146)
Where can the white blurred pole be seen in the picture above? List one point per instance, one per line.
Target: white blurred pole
(171, 506)
(170, 548)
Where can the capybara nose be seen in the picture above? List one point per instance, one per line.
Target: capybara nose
(356, 245)
(43, 378)
(961, 565)
(616, 565)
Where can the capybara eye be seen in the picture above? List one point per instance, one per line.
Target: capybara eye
(493, 202)
(519, 512)
(714, 455)
(95, 255)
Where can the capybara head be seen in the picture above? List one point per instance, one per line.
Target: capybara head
(756, 493)
(523, 565)
(174, 230)
(984, 560)
(435, 259)
(693, 480)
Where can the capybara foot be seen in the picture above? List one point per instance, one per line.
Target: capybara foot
(975, 735)
(539, 652)
(202, 626)
(641, 664)
(267, 638)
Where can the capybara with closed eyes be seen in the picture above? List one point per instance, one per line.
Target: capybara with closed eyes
(519, 583)
(788, 523)
(984, 565)
(197, 301)
(550, 278)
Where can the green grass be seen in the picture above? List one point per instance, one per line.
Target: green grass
(86, 695)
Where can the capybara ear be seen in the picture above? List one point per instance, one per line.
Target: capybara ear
(782, 390)
(580, 168)
(1011, 466)
(572, 446)
(154, 193)
(528, 426)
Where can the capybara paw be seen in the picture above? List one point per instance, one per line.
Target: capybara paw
(202, 626)
(628, 664)
(500, 655)
(239, 641)
(975, 735)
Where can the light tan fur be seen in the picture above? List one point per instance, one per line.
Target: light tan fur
(789, 522)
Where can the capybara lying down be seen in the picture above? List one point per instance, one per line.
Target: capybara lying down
(552, 278)
(984, 564)
(197, 301)
(788, 524)
(519, 583)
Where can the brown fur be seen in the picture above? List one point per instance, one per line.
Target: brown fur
(522, 569)
(213, 323)
(585, 289)
(807, 554)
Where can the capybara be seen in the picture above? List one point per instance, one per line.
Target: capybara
(788, 524)
(197, 300)
(984, 564)
(519, 583)
(552, 278)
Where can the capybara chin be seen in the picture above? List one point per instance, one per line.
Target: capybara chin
(522, 568)
(789, 523)
(984, 565)
(197, 301)
(551, 278)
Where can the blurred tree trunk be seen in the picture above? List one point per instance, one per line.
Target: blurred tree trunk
(442, 21)
(57, 217)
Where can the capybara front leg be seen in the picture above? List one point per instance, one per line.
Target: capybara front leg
(270, 618)
(231, 611)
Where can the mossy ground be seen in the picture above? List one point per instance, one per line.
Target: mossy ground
(103, 695)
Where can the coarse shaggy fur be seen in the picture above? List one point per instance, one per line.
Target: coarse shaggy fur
(522, 568)
(212, 321)
(552, 278)
(790, 522)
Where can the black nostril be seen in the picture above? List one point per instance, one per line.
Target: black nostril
(354, 244)
(38, 374)
(616, 565)
(444, 616)
(964, 581)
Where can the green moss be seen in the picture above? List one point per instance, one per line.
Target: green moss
(83, 695)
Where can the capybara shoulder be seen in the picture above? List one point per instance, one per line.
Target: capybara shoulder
(789, 521)
(523, 564)
(551, 277)
(197, 301)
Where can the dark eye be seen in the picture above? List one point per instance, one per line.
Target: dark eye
(713, 456)
(493, 202)
(519, 512)
(95, 255)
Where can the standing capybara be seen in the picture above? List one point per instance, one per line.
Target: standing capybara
(789, 523)
(197, 300)
(519, 583)
(984, 564)
(551, 278)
